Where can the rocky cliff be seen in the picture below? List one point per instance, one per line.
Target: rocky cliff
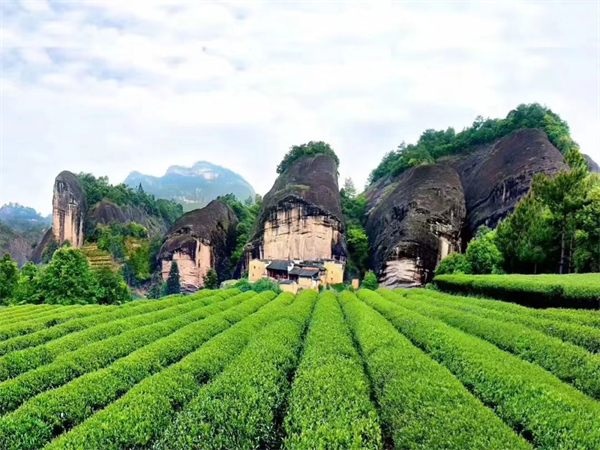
(200, 240)
(105, 212)
(15, 244)
(592, 165)
(301, 216)
(415, 219)
(69, 209)
(416, 223)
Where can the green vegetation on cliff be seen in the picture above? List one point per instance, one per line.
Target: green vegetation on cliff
(310, 149)
(99, 188)
(434, 144)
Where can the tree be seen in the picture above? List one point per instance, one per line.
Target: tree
(173, 285)
(211, 280)
(349, 190)
(312, 148)
(564, 195)
(48, 252)
(482, 253)
(265, 284)
(68, 279)
(586, 256)
(454, 263)
(155, 290)
(27, 290)
(358, 248)
(9, 277)
(525, 237)
(112, 288)
(370, 281)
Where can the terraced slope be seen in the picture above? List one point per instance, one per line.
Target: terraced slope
(405, 369)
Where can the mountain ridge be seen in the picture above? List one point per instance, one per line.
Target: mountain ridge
(194, 186)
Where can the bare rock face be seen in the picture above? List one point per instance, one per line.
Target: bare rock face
(198, 241)
(36, 255)
(414, 223)
(15, 244)
(301, 216)
(106, 211)
(592, 165)
(496, 176)
(69, 209)
(419, 217)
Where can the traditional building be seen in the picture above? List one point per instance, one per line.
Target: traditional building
(295, 275)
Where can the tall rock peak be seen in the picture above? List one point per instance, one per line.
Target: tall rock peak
(301, 216)
(69, 209)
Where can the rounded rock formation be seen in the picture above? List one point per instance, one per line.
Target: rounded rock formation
(198, 241)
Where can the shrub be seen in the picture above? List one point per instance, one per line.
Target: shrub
(555, 414)
(238, 409)
(47, 415)
(141, 415)
(568, 362)
(575, 290)
(330, 405)
(21, 361)
(421, 405)
(454, 263)
(370, 281)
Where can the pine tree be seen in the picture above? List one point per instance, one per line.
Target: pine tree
(211, 280)
(173, 284)
(155, 290)
(370, 281)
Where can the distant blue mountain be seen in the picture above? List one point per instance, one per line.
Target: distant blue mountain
(194, 187)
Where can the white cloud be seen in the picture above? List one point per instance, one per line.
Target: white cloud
(115, 86)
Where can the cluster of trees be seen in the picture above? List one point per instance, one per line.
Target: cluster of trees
(310, 149)
(482, 256)
(129, 245)
(434, 144)
(66, 280)
(354, 207)
(98, 188)
(556, 228)
(246, 213)
(553, 229)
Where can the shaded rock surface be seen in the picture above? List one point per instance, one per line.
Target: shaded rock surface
(15, 244)
(105, 212)
(593, 165)
(301, 216)
(200, 240)
(415, 223)
(36, 255)
(416, 218)
(497, 175)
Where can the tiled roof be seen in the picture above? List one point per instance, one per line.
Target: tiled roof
(279, 265)
(304, 272)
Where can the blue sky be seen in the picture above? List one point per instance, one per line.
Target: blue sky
(113, 86)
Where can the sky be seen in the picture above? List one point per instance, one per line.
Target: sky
(109, 87)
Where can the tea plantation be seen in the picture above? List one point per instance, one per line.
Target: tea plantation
(404, 369)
